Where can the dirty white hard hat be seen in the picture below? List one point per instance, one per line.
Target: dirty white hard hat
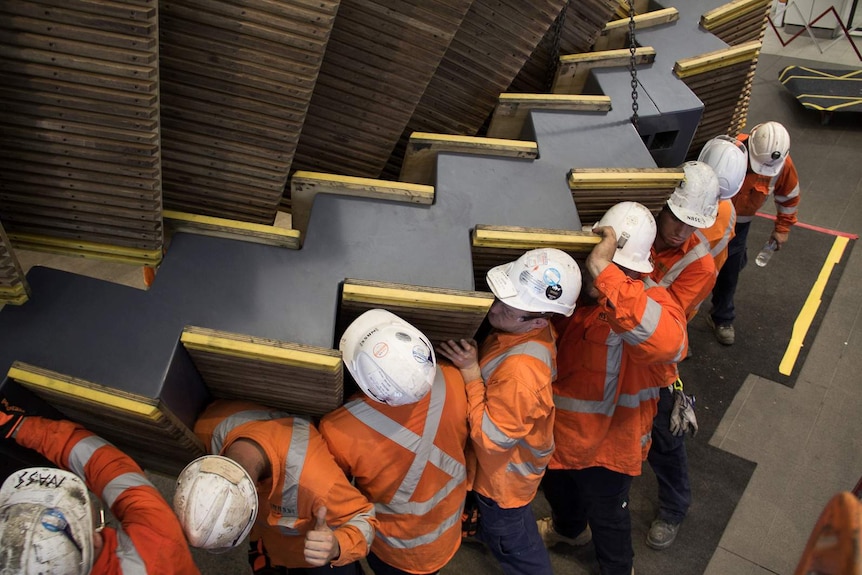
(216, 503)
(541, 280)
(391, 361)
(768, 146)
(695, 200)
(728, 158)
(46, 523)
(635, 228)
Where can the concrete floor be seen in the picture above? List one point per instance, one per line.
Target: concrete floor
(807, 441)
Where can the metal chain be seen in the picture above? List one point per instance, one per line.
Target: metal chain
(554, 57)
(632, 50)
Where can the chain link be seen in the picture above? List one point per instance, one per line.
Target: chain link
(632, 50)
(554, 57)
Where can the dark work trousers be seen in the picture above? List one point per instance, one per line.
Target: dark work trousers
(725, 285)
(601, 497)
(513, 538)
(381, 568)
(669, 461)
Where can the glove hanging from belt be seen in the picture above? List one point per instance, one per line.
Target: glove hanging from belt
(682, 418)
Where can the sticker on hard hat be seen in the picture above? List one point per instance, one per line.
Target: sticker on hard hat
(380, 349)
(553, 292)
(421, 354)
(552, 276)
(401, 336)
(498, 280)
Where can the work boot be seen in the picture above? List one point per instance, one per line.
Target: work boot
(723, 332)
(551, 537)
(661, 534)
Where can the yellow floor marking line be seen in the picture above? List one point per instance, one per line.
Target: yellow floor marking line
(809, 309)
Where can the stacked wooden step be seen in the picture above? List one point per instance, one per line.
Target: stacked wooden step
(440, 314)
(13, 285)
(722, 81)
(574, 69)
(79, 138)
(595, 190)
(575, 30)
(487, 52)
(420, 158)
(236, 82)
(379, 61)
(497, 245)
(232, 229)
(614, 35)
(296, 378)
(142, 427)
(737, 23)
(512, 110)
(304, 186)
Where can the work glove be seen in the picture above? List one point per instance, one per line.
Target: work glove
(10, 417)
(682, 418)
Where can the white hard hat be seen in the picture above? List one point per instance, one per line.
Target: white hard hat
(729, 160)
(46, 523)
(391, 361)
(634, 226)
(216, 503)
(541, 280)
(768, 146)
(695, 200)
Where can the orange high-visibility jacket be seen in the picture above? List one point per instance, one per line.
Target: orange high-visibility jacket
(605, 404)
(719, 234)
(688, 273)
(756, 189)
(304, 478)
(409, 461)
(512, 414)
(150, 537)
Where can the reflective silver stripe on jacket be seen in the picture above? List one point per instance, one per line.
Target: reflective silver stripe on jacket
(231, 422)
(490, 429)
(699, 251)
(607, 405)
(425, 453)
(293, 465)
(130, 559)
(531, 348)
(725, 238)
(647, 326)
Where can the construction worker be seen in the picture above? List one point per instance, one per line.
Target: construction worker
(314, 518)
(511, 405)
(51, 523)
(770, 171)
(605, 404)
(683, 265)
(403, 442)
(729, 160)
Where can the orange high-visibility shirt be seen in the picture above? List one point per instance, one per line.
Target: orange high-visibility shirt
(409, 461)
(604, 403)
(150, 533)
(756, 189)
(719, 234)
(304, 478)
(512, 415)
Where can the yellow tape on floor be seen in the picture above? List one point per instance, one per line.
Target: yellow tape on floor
(809, 309)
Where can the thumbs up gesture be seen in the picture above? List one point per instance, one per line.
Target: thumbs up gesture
(321, 545)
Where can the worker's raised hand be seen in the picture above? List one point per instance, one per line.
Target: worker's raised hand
(464, 355)
(603, 253)
(321, 545)
(10, 417)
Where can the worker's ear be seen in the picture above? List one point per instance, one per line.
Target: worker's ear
(98, 544)
(537, 322)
